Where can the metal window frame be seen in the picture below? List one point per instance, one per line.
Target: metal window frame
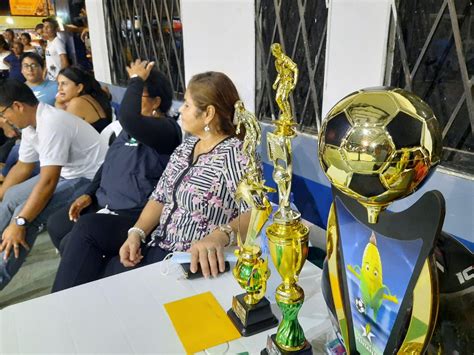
(264, 94)
(396, 39)
(137, 29)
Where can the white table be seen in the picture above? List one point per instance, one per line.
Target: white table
(125, 314)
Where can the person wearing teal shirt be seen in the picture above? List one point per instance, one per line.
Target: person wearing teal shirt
(32, 67)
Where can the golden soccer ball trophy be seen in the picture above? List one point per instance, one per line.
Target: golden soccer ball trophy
(378, 145)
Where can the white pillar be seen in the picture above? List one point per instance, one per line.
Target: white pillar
(356, 47)
(219, 35)
(97, 33)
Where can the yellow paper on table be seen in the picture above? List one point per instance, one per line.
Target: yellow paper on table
(201, 322)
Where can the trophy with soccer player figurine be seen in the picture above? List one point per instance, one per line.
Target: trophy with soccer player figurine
(287, 236)
(251, 312)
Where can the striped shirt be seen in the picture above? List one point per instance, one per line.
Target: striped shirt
(200, 196)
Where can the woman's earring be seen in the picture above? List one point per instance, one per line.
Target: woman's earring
(154, 112)
(206, 128)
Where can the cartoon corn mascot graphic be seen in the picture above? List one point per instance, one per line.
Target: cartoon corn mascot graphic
(370, 278)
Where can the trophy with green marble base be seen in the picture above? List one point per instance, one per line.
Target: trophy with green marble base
(287, 236)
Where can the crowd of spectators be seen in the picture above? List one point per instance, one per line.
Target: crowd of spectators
(113, 208)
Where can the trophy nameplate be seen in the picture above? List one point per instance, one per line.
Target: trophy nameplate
(251, 319)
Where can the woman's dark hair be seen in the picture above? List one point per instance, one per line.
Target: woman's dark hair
(158, 85)
(33, 55)
(39, 26)
(27, 35)
(3, 43)
(216, 89)
(13, 90)
(91, 87)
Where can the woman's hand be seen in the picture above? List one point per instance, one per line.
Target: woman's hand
(130, 252)
(78, 205)
(140, 68)
(209, 253)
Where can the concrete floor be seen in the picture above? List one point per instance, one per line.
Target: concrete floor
(35, 277)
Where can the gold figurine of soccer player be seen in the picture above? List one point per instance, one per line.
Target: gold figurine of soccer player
(287, 236)
(253, 135)
(285, 81)
(251, 312)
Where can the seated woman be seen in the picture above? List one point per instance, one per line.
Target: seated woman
(193, 206)
(80, 94)
(134, 161)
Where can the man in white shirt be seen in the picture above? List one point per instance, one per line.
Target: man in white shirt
(69, 151)
(32, 66)
(56, 54)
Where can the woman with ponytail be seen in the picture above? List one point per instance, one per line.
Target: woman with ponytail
(193, 207)
(80, 94)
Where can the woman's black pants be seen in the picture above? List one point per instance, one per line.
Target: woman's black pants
(92, 248)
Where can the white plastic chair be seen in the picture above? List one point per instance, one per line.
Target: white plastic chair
(112, 128)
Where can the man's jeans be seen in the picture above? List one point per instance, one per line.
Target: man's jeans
(11, 206)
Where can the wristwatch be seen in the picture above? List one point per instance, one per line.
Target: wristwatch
(20, 221)
(227, 229)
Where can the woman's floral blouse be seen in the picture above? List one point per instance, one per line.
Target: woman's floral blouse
(200, 196)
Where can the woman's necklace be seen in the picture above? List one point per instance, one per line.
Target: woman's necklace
(203, 147)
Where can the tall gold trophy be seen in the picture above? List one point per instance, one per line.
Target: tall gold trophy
(251, 312)
(287, 236)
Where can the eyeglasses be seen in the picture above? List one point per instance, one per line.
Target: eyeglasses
(32, 66)
(4, 110)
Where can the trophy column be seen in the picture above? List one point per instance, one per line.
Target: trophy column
(287, 236)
